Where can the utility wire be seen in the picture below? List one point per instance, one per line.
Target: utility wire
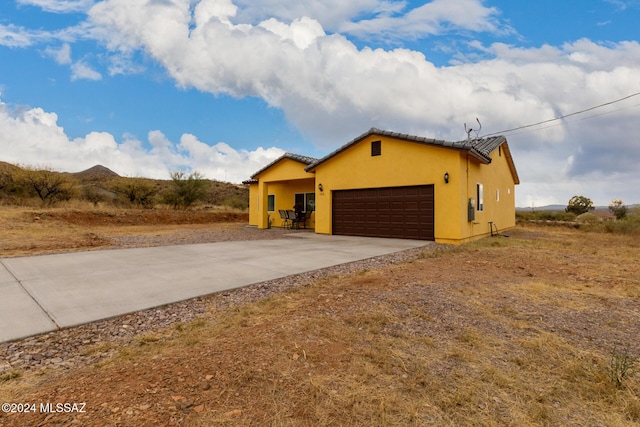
(563, 117)
(582, 119)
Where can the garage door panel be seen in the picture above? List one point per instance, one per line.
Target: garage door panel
(399, 212)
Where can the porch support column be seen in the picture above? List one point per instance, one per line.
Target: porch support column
(263, 197)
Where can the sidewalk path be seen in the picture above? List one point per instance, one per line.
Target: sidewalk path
(47, 292)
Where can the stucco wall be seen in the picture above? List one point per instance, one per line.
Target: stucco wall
(401, 163)
(282, 180)
(404, 163)
(499, 195)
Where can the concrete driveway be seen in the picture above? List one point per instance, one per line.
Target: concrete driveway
(48, 292)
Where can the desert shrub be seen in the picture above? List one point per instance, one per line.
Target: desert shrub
(588, 218)
(622, 366)
(140, 192)
(629, 225)
(618, 209)
(46, 184)
(545, 216)
(185, 190)
(92, 194)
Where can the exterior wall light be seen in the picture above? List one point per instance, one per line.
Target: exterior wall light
(446, 177)
(320, 187)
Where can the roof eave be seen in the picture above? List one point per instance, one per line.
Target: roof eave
(291, 156)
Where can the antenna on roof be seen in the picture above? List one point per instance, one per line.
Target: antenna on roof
(477, 131)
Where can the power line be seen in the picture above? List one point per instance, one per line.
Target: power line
(564, 116)
(582, 119)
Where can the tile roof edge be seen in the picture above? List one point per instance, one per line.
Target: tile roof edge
(288, 155)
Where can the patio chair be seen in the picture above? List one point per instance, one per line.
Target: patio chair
(286, 221)
(293, 220)
(303, 219)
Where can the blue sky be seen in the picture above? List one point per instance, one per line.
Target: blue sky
(225, 86)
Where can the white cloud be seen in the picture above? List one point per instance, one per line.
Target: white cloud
(15, 36)
(62, 55)
(319, 79)
(59, 6)
(436, 17)
(81, 70)
(623, 4)
(331, 14)
(378, 18)
(33, 135)
(278, 50)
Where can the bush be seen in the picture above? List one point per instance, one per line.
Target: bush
(49, 186)
(186, 190)
(588, 218)
(137, 191)
(629, 225)
(545, 216)
(618, 209)
(622, 366)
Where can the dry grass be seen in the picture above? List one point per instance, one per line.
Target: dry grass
(504, 331)
(28, 231)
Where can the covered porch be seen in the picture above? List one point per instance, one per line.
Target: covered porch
(281, 199)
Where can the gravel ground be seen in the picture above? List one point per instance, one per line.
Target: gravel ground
(91, 343)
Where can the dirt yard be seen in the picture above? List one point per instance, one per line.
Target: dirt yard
(531, 329)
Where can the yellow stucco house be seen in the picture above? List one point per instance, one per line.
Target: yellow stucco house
(387, 184)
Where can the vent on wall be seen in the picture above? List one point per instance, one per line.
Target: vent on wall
(376, 148)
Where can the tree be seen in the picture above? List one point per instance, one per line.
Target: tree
(138, 191)
(48, 185)
(93, 194)
(579, 205)
(618, 209)
(8, 182)
(185, 189)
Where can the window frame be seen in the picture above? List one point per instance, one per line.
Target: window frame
(479, 197)
(305, 201)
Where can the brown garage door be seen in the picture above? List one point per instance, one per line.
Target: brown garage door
(398, 212)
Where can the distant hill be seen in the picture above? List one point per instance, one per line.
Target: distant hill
(563, 207)
(95, 173)
(4, 166)
(99, 178)
(543, 208)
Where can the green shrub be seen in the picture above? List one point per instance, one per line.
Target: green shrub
(545, 216)
(628, 225)
(588, 218)
(618, 209)
(186, 190)
(622, 366)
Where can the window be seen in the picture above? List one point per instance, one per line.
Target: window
(306, 200)
(497, 195)
(376, 148)
(271, 202)
(480, 197)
